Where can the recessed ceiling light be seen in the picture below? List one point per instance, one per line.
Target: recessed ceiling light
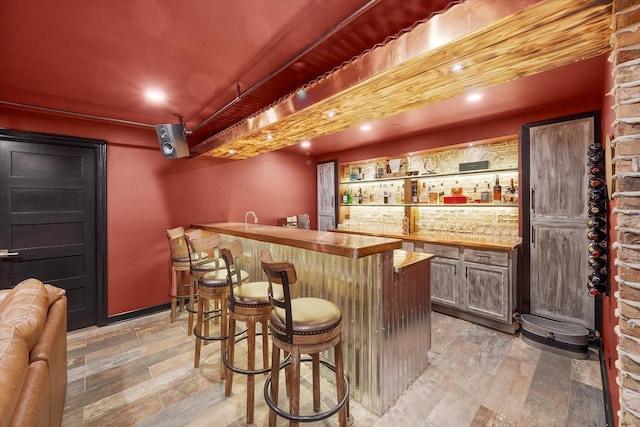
(269, 137)
(474, 97)
(305, 144)
(365, 127)
(457, 67)
(330, 114)
(155, 95)
(232, 151)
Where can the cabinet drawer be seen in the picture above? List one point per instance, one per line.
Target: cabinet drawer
(486, 257)
(442, 251)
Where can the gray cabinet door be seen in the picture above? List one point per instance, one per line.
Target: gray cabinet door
(559, 273)
(444, 282)
(558, 168)
(558, 217)
(487, 290)
(326, 181)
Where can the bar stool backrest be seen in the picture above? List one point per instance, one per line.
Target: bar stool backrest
(229, 252)
(284, 273)
(208, 244)
(177, 244)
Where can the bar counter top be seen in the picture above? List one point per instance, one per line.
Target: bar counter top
(335, 243)
(422, 238)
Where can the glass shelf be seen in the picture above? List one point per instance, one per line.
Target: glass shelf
(435, 205)
(433, 175)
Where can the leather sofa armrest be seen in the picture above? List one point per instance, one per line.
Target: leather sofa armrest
(4, 293)
(33, 405)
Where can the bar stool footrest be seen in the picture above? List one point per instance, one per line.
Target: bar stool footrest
(307, 418)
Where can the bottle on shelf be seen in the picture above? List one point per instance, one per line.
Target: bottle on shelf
(475, 196)
(423, 197)
(414, 191)
(433, 196)
(485, 196)
(497, 191)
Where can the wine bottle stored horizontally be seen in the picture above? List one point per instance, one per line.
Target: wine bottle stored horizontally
(596, 182)
(596, 222)
(597, 263)
(597, 250)
(596, 235)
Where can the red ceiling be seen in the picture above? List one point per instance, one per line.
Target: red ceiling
(98, 57)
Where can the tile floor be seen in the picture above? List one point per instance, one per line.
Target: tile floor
(140, 373)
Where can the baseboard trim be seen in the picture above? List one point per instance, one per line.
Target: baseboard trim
(138, 313)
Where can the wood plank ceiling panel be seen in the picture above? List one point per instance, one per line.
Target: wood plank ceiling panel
(416, 70)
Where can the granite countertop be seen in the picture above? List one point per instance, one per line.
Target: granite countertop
(335, 243)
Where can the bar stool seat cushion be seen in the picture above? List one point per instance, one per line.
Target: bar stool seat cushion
(210, 264)
(219, 278)
(256, 293)
(309, 315)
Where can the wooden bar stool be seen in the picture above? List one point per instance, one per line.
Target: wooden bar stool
(180, 269)
(212, 286)
(302, 326)
(248, 303)
(201, 261)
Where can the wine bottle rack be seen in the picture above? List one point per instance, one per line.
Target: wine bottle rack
(598, 278)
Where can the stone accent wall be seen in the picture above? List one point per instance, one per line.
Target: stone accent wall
(626, 143)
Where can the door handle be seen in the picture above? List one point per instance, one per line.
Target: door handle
(533, 236)
(4, 253)
(533, 200)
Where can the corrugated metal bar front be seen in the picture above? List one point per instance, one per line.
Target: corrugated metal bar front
(386, 321)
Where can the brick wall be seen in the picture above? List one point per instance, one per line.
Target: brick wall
(625, 56)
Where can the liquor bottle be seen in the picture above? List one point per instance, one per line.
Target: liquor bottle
(485, 196)
(596, 235)
(497, 191)
(475, 196)
(414, 191)
(597, 263)
(345, 197)
(596, 222)
(597, 250)
(360, 196)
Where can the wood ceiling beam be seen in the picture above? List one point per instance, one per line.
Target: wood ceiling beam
(496, 42)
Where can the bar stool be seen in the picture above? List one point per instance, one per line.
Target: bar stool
(248, 303)
(302, 326)
(205, 260)
(179, 269)
(212, 286)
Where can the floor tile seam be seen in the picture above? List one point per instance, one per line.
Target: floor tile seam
(99, 366)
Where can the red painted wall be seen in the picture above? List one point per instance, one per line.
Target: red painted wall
(146, 194)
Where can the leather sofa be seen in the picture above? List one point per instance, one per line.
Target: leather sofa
(33, 354)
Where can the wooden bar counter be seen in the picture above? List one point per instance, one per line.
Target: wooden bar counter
(383, 293)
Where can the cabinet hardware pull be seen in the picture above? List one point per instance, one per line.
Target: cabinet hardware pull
(455, 270)
(533, 200)
(533, 236)
(466, 272)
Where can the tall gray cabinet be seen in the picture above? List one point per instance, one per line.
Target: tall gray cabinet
(555, 219)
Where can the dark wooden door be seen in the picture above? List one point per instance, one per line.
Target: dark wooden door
(50, 203)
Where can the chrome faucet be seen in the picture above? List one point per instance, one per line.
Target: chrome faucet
(255, 218)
